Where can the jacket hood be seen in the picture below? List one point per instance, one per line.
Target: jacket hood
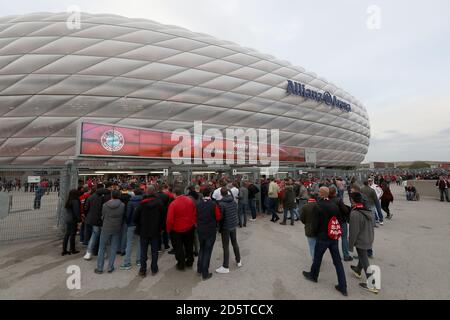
(151, 201)
(113, 203)
(366, 213)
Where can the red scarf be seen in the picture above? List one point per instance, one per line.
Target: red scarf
(358, 206)
(312, 201)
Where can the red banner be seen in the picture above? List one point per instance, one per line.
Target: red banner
(118, 141)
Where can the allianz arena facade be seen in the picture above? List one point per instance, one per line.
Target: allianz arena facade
(139, 73)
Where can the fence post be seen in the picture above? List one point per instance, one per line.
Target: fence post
(68, 181)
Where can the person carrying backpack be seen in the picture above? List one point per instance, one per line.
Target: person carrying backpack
(327, 226)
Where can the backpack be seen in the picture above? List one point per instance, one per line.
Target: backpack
(334, 229)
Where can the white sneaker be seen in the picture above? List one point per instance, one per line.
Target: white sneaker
(252, 220)
(87, 256)
(223, 270)
(239, 264)
(381, 224)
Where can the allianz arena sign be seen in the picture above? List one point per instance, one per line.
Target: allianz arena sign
(299, 89)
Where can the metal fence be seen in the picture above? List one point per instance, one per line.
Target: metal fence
(32, 214)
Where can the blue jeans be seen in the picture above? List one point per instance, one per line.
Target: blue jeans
(292, 215)
(93, 242)
(301, 203)
(204, 256)
(87, 234)
(321, 248)
(104, 238)
(379, 213)
(340, 194)
(123, 238)
(444, 192)
(242, 214)
(130, 240)
(273, 207)
(252, 205)
(344, 240)
(312, 245)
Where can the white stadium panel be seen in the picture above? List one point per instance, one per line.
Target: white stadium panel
(142, 73)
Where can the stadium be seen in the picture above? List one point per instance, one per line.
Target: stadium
(136, 73)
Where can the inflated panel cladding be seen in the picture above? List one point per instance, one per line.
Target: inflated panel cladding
(142, 73)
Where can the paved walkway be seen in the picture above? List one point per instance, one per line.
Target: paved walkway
(411, 250)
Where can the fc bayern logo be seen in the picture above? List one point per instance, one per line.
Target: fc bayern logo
(112, 140)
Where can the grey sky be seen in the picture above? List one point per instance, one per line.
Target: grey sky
(400, 72)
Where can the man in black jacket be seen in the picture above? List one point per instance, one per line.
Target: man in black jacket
(323, 213)
(148, 219)
(252, 191)
(208, 215)
(93, 207)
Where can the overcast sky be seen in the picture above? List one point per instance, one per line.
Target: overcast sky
(400, 72)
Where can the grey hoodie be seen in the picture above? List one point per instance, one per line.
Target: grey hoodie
(361, 234)
(113, 215)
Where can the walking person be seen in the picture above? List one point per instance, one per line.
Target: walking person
(272, 193)
(306, 217)
(181, 220)
(131, 231)
(227, 227)
(208, 216)
(327, 214)
(243, 205)
(345, 214)
(148, 219)
(443, 184)
(72, 217)
(289, 203)
(379, 192)
(386, 199)
(361, 236)
(112, 215)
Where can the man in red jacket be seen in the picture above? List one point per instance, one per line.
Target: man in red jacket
(181, 220)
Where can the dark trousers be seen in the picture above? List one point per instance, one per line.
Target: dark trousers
(242, 209)
(444, 192)
(71, 232)
(87, 233)
(183, 243)
(363, 261)
(263, 204)
(319, 251)
(226, 236)
(252, 206)
(385, 206)
(204, 256)
(154, 243)
(164, 240)
(37, 202)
